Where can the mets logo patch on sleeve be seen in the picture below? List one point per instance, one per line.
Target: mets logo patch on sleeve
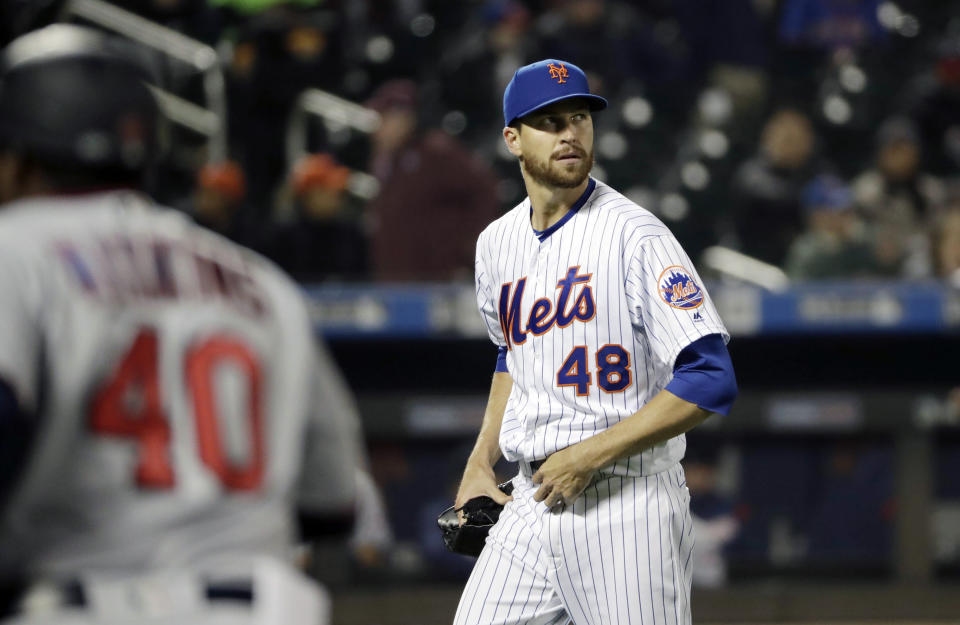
(678, 289)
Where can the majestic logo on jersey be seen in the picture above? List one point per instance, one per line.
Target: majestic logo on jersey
(678, 289)
(558, 73)
(545, 314)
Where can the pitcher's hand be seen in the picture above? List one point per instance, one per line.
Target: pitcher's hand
(479, 480)
(562, 477)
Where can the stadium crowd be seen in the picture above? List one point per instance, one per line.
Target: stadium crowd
(821, 136)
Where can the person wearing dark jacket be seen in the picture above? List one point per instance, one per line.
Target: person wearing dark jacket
(435, 196)
(325, 240)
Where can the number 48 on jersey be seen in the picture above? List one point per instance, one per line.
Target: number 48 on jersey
(613, 370)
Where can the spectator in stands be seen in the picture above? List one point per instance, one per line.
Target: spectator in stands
(218, 202)
(934, 102)
(815, 35)
(435, 197)
(276, 56)
(897, 199)
(766, 213)
(509, 24)
(480, 59)
(707, 24)
(618, 42)
(836, 243)
(896, 188)
(735, 65)
(946, 246)
(714, 522)
(830, 24)
(324, 240)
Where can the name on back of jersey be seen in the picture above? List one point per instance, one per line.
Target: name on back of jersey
(125, 269)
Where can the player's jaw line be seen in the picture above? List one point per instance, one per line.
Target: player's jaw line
(568, 173)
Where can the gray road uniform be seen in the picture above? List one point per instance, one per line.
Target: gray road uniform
(180, 406)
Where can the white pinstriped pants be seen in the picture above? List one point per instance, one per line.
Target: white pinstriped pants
(619, 555)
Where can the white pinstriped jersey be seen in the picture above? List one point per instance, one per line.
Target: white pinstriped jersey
(593, 316)
(180, 395)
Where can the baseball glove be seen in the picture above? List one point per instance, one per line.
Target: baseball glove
(479, 514)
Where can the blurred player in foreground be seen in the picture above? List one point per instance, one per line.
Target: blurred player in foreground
(610, 350)
(164, 408)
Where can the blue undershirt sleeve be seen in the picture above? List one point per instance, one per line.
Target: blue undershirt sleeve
(703, 375)
(502, 361)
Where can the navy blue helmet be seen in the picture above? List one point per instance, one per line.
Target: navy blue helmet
(74, 96)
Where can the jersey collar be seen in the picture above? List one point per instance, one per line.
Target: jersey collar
(543, 234)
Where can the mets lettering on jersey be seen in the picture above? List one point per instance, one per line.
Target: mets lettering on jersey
(545, 314)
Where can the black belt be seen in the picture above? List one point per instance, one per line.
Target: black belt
(240, 591)
(73, 594)
(529, 468)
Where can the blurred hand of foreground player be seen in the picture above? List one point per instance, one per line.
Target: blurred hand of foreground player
(562, 477)
(479, 479)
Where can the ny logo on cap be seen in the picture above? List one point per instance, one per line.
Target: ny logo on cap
(558, 73)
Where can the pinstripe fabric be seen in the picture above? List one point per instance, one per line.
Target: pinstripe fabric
(619, 555)
(593, 320)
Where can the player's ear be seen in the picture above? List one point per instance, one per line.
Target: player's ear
(511, 136)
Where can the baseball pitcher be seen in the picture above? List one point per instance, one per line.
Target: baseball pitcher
(610, 349)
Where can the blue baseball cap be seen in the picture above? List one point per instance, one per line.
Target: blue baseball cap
(545, 82)
(827, 192)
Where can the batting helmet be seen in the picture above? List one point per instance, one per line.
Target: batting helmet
(74, 97)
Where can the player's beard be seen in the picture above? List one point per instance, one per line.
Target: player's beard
(553, 173)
